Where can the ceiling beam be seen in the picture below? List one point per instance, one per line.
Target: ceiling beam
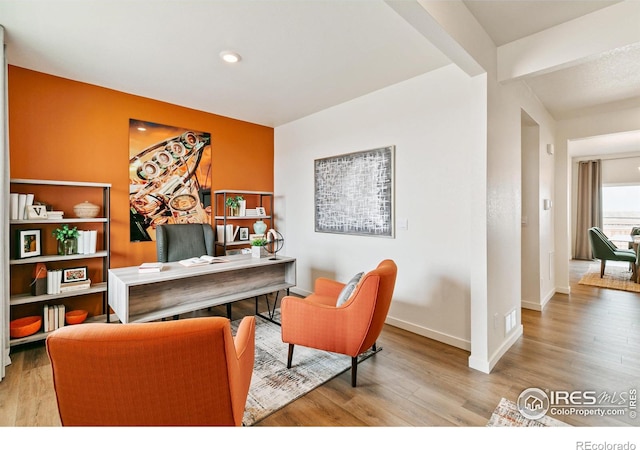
(571, 43)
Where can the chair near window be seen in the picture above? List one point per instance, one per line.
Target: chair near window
(184, 240)
(177, 373)
(635, 231)
(604, 250)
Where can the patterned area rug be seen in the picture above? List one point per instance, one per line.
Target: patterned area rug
(506, 414)
(615, 277)
(273, 385)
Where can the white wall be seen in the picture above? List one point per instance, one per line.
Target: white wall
(530, 236)
(435, 122)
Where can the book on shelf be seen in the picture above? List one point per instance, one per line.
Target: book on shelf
(55, 214)
(53, 316)
(149, 267)
(201, 261)
(75, 285)
(54, 280)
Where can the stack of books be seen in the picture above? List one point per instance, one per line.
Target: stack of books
(150, 267)
(75, 285)
(55, 215)
(53, 317)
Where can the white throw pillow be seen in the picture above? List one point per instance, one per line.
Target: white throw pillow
(348, 289)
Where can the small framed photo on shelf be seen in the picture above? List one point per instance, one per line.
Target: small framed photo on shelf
(29, 243)
(74, 274)
(244, 234)
(261, 211)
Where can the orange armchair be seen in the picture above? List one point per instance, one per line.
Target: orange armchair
(183, 372)
(349, 329)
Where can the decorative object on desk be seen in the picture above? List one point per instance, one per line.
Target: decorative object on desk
(275, 242)
(36, 212)
(273, 386)
(74, 274)
(259, 227)
(149, 267)
(234, 203)
(257, 247)
(67, 239)
(25, 326)
(29, 243)
(354, 193)
(76, 316)
(39, 283)
(86, 210)
(244, 234)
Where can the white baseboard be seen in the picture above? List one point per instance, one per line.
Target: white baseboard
(563, 290)
(487, 366)
(526, 304)
(431, 334)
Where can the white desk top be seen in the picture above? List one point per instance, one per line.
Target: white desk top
(173, 270)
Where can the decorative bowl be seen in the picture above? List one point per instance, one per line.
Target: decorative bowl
(25, 326)
(86, 210)
(76, 316)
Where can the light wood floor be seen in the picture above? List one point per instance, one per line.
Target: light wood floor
(589, 340)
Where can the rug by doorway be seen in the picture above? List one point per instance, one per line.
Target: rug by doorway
(506, 414)
(273, 386)
(615, 277)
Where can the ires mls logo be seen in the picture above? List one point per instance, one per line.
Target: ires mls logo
(534, 403)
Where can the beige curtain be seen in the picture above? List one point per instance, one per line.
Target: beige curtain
(589, 205)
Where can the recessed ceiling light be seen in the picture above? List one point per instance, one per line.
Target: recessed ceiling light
(230, 57)
(142, 129)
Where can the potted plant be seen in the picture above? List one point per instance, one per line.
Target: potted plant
(257, 247)
(67, 239)
(233, 203)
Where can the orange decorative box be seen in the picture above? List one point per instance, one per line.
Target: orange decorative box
(25, 326)
(75, 317)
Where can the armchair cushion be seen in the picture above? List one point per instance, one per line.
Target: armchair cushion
(348, 289)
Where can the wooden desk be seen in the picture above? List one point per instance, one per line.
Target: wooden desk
(177, 289)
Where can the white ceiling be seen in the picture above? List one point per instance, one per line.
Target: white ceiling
(299, 57)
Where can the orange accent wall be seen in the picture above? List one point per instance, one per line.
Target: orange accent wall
(66, 130)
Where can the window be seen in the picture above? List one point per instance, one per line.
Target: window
(620, 211)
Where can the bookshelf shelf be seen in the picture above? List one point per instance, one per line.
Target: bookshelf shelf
(21, 298)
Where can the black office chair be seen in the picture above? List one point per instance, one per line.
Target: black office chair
(178, 241)
(184, 240)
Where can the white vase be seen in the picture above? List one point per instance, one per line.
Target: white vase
(242, 208)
